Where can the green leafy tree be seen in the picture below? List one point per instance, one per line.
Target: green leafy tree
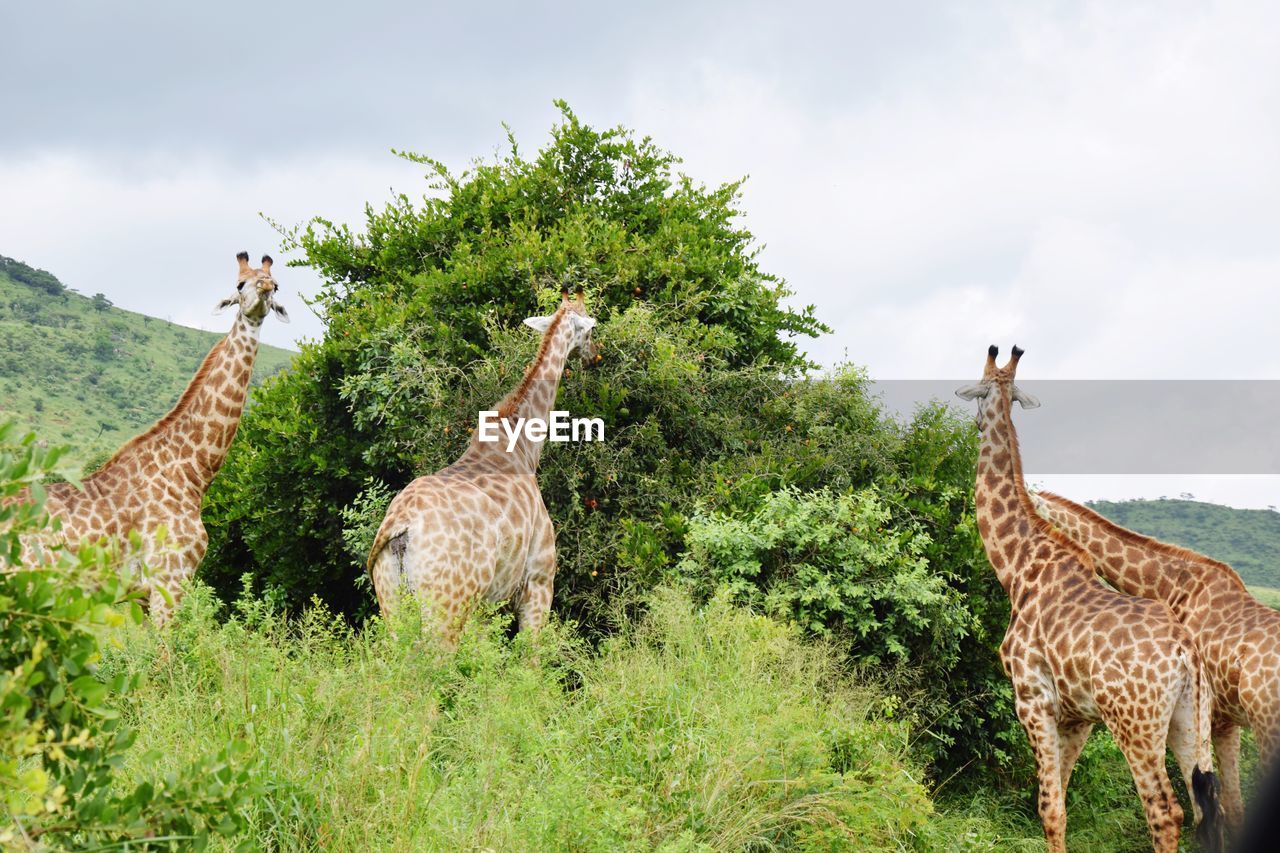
(36, 279)
(422, 316)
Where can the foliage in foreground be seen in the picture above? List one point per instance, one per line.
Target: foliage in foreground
(694, 729)
(61, 735)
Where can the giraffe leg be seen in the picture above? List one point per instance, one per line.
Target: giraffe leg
(1072, 738)
(534, 606)
(1143, 748)
(169, 572)
(539, 584)
(174, 560)
(450, 601)
(451, 619)
(1264, 721)
(1042, 731)
(1226, 743)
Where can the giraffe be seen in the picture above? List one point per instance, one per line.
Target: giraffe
(1079, 653)
(1237, 636)
(479, 528)
(160, 477)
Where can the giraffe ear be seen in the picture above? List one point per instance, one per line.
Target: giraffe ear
(584, 322)
(1025, 399)
(538, 324)
(973, 392)
(225, 304)
(280, 312)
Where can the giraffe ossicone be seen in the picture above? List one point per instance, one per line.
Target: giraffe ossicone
(1079, 653)
(157, 481)
(479, 527)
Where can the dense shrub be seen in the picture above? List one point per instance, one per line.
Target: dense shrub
(830, 563)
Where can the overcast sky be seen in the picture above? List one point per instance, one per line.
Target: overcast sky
(1097, 182)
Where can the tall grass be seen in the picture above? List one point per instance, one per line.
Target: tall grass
(693, 729)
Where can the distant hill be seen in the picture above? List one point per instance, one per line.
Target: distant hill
(1248, 539)
(85, 373)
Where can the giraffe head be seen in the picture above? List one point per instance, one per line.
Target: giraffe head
(255, 292)
(996, 391)
(573, 310)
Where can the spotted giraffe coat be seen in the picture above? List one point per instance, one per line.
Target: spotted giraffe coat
(479, 529)
(1238, 637)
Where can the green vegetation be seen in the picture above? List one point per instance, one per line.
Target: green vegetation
(88, 374)
(691, 729)
(62, 735)
(1247, 539)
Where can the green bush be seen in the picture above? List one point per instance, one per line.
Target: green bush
(691, 729)
(832, 564)
(61, 733)
(854, 568)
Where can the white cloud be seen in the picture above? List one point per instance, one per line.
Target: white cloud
(1067, 180)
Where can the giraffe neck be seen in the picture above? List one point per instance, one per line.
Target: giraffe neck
(1005, 518)
(1131, 562)
(188, 445)
(535, 396)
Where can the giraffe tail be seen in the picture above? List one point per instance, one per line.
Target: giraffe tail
(1205, 788)
(386, 565)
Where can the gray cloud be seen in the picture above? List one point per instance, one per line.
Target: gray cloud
(257, 79)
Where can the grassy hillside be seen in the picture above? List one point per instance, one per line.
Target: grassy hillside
(1248, 539)
(88, 374)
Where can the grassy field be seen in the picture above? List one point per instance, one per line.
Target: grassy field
(709, 729)
(1268, 595)
(88, 374)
